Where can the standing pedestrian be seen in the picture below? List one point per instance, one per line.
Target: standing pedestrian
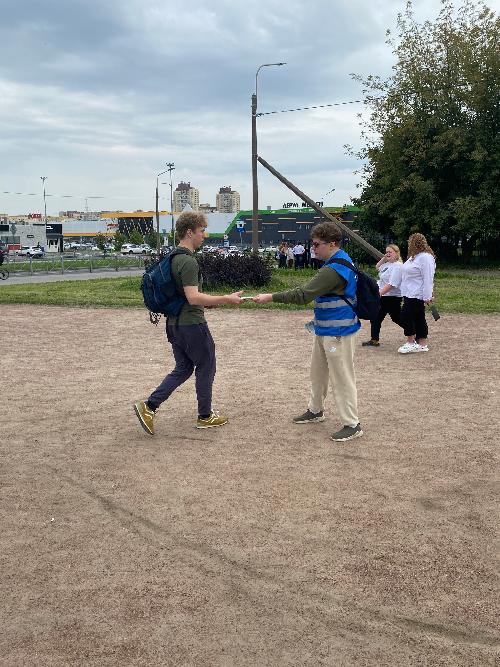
(335, 328)
(314, 262)
(298, 254)
(290, 257)
(307, 254)
(188, 334)
(417, 285)
(390, 271)
(282, 251)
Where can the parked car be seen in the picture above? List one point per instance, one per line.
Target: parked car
(30, 251)
(234, 250)
(133, 249)
(146, 248)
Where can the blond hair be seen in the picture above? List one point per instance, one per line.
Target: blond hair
(190, 220)
(417, 243)
(396, 249)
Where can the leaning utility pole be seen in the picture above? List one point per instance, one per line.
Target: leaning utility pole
(343, 228)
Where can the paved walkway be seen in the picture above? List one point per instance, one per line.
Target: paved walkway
(56, 277)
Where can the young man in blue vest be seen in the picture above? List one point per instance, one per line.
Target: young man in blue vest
(335, 328)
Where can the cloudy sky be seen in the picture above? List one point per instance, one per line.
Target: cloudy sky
(98, 95)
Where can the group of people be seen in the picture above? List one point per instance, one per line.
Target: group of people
(335, 323)
(298, 256)
(405, 290)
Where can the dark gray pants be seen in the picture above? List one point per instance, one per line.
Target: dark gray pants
(194, 350)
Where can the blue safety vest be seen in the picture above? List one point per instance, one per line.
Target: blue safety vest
(332, 315)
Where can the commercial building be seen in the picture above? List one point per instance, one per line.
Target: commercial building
(277, 225)
(227, 200)
(185, 194)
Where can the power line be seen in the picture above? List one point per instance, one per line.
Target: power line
(37, 194)
(318, 106)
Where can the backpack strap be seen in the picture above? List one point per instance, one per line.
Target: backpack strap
(179, 250)
(344, 262)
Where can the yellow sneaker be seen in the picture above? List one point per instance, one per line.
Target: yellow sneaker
(145, 416)
(215, 419)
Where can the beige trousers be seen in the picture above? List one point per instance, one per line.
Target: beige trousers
(333, 362)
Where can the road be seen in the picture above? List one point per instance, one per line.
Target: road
(56, 277)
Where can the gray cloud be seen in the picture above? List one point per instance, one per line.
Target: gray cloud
(99, 95)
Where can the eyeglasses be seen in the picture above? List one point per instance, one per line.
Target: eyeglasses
(315, 244)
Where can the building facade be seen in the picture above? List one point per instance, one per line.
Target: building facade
(227, 200)
(185, 194)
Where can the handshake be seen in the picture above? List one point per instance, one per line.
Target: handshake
(236, 299)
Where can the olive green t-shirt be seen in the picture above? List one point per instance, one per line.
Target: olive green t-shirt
(186, 272)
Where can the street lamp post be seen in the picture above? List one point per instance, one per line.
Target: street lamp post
(255, 186)
(171, 167)
(158, 214)
(43, 179)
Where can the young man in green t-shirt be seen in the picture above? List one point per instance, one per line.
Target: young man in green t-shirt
(192, 343)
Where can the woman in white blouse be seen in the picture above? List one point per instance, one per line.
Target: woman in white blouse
(417, 286)
(390, 271)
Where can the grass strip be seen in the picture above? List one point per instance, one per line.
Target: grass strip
(464, 292)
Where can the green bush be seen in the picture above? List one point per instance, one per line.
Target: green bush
(234, 270)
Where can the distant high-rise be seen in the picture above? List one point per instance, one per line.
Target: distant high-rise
(228, 201)
(184, 194)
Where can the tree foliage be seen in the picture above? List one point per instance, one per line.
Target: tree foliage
(152, 239)
(135, 236)
(432, 140)
(119, 240)
(100, 241)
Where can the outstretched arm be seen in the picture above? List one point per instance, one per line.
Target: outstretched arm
(197, 298)
(325, 281)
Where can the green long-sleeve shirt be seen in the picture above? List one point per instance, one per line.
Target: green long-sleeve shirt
(326, 281)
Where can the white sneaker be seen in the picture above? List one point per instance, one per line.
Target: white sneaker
(422, 348)
(409, 347)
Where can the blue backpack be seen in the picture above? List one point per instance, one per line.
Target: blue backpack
(159, 290)
(367, 293)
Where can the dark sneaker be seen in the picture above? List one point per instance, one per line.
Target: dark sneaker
(145, 416)
(347, 433)
(215, 419)
(309, 417)
(371, 343)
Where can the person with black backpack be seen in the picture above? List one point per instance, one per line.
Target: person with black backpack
(334, 290)
(187, 332)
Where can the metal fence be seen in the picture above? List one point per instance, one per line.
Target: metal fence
(71, 263)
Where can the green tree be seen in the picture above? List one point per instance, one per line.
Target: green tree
(152, 239)
(434, 164)
(119, 240)
(136, 237)
(100, 241)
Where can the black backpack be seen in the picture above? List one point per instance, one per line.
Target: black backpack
(367, 293)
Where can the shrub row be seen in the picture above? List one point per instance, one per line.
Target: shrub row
(234, 270)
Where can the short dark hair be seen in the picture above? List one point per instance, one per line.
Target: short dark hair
(190, 220)
(327, 232)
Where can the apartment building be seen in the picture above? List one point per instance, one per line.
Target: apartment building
(184, 194)
(227, 200)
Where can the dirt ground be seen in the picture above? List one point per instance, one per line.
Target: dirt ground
(259, 543)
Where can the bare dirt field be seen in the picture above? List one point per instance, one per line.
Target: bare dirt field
(258, 543)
